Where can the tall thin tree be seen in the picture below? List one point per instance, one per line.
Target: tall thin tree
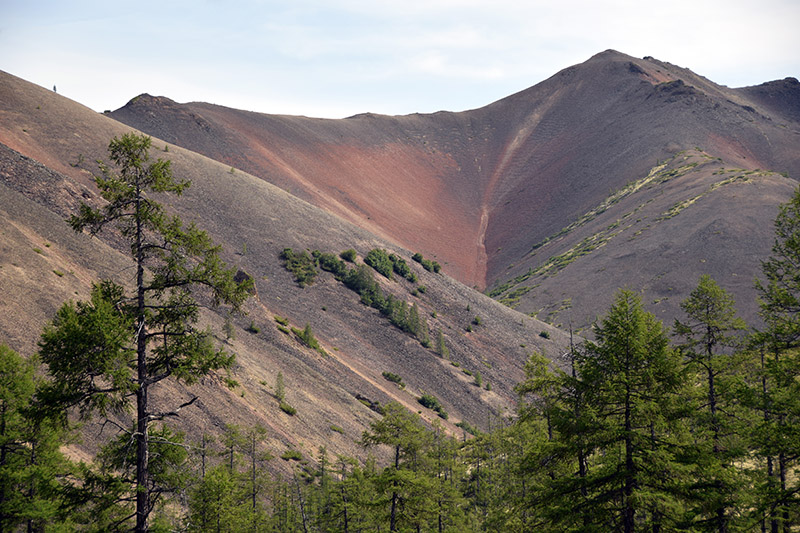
(116, 347)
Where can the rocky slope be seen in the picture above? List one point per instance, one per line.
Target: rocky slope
(48, 145)
(480, 190)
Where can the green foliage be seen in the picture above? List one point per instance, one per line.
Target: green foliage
(306, 336)
(34, 475)
(431, 402)
(394, 378)
(379, 260)
(708, 333)
(102, 352)
(288, 409)
(441, 345)
(253, 328)
(348, 255)
(544, 334)
(330, 263)
(280, 387)
(360, 279)
(302, 265)
(466, 426)
(228, 329)
(291, 455)
(401, 268)
(430, 266)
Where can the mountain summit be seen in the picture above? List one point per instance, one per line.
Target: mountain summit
(482, 190)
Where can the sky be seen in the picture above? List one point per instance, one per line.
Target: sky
(337, 58)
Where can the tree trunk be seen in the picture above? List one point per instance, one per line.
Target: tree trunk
(628, 509)
(142, 451)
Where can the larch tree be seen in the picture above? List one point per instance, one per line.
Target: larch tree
(710, 334)
(777, 438)
(116, 347)
(631, 378)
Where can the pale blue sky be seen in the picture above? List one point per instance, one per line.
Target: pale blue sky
(336, 58)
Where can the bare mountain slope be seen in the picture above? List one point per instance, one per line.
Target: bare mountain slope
(480, 189)
(47, 144)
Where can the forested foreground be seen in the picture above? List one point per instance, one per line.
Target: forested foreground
(691, 427)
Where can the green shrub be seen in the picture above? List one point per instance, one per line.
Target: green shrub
(401, 268)
(348, 255)
(291, 454)
(302, 265)
(281, 320)
(306, 336)
(288, 409)
(380, 261)
(427, 264)
(330, 263)
(394, 378)
(466, 426)
(544, 334)
(431, 402)
(337, 429)
(252, 328)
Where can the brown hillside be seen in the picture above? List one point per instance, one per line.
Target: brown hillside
(47, 146)
(479, 189)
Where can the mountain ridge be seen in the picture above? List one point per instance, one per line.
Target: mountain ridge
(478, 189)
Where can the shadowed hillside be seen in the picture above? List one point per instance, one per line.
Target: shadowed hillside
(48, 147)
(479, 190)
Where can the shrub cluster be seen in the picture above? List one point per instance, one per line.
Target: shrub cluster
(302, 265)
(361, 280)
(427, 264)
(394, 378)
(388, 264)
(431, 402)
(330, 263)
(348, 255)
(380, 261)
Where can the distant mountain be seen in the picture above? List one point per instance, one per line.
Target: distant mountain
(48, 149)
(532, 197)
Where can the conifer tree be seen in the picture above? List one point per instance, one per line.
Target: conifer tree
(114, 348)
(777, 438)
(709, 334)
(32, 469)
(631, 378)
(404, 432)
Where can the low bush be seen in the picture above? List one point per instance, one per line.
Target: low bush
(380, 261)
(288, 409)
(291, 454)
(302, 265)
(431, 402)
(427, 264)
(348, 255)
(394, 378)
(330, 263)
